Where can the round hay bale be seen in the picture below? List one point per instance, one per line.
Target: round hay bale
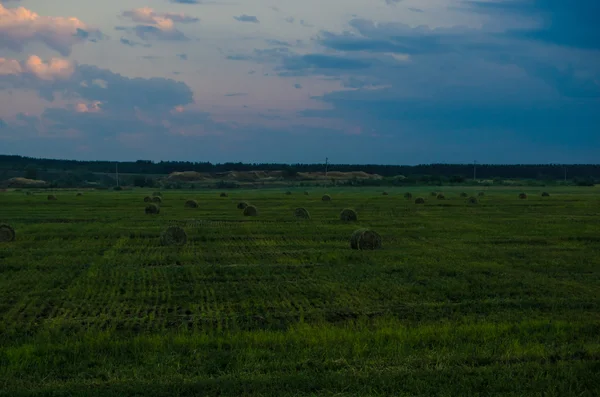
(385, 194)
(306, 193)
(522, 196)
(147, 199)
(242, 205)
(191, 204)
(464, 195)
(157, 194)
(481, 194)
(408, 195)
(7, 233)
(250, 211)
(433, 194)
(419, 200)
(79, 194)
(365, 239)
(223, 195)
(302, 213)
(472, 201)
(52, 197)
(157, 199)
(441, 196)
(545, 194)
(326, 197)
(348, 215)
(173, 235)
(152, 209)
(288, 193)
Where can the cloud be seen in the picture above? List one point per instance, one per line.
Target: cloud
(132, 43)
(450, 85)
(247, 18)
(94, 107)
(157, 25)
(573, 24)
(20, 26)
(54, 69)
(90, 83)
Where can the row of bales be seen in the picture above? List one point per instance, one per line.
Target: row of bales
(361, 239)
(155, 200)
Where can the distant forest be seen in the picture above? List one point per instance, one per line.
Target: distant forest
(144, 172)
(465, 171)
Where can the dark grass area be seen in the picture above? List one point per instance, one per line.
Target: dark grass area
(498, 298)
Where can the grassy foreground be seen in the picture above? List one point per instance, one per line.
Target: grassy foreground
(499, 298)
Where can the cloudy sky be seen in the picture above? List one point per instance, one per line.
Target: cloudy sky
(358, 81)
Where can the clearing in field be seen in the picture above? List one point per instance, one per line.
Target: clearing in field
(142, 293)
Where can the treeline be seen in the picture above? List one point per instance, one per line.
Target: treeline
(458, 171)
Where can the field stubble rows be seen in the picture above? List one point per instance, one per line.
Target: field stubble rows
(90, 269)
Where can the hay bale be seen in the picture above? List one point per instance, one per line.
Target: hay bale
(434, 194)
(7, 233)
(157, 194)
(52, 197)
(147, 199)
(288, 193)
(522, 196)
(441, 196)
(326, 197)
(472, 201)
(223, 195)
(306, 193)
(365, 239)
(250, 211)
(385, 194)
(173, 235)
(152, 209)
(156, 199)
(545, 194)
(481, 194)
(408, 196)
(242, 205)
(348, 215)
(464, 195)
(79, 194)
(419, 200)
(302, 213)
(191, 204)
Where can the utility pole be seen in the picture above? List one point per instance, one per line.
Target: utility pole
(117, 172)
(326, 165)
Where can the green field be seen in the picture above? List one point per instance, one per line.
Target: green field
(499, 298)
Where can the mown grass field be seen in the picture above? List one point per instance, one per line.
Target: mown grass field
(501, 298)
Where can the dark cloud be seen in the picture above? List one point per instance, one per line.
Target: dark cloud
(132, 43)
(568, 23)
(461, 89)
(114, 91)
(247, 18)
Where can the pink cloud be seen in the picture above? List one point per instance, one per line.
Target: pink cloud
(161, 20)
(53, 69)
(94, 107)
(19, 26)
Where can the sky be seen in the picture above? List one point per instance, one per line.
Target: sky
(356, 81)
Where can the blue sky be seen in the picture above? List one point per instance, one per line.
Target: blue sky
(358, 81)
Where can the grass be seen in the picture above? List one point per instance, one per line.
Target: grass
(501, 298)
